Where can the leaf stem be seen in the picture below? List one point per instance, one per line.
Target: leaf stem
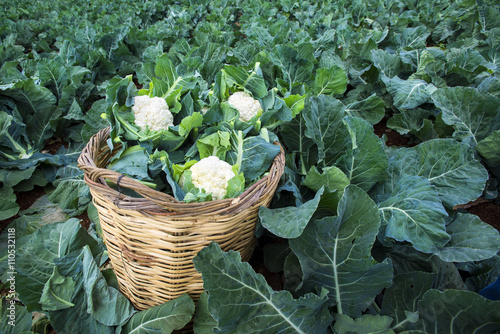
(376, 307)
(19, 148)
(335, 275)
(400, 324)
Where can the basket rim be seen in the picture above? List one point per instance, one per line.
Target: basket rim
(97, 152)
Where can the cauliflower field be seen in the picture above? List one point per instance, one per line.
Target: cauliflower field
(360, 236)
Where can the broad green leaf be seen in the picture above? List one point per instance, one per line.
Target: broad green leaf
(482, 273)
(216, 144)
(371, 109)
(332, 178)
(363, 158)
(210, 59)
(15, 319)
(164, 318)
(455, 311)
(93, 120)
(443, 29)
(408, 94)
(330, 81)
(74, 112)
(489, 148)
(35, 259)
(165, 71)
(73, 319)
(323, 118)
(235, 186)
(254, 155)
(412, 38)
(8, 206)
(38, 178)
(20, 228)
(106, 304)
(292, 67)
(71, 193)
(293, 134)
(388, 64)
(38, 158)
(473, 114)
(424, 62)
(407, 259)
(401, 299)
(132, 162)
(471, 240)
(12, 177)
(57, 292)
(248, 80)
(295, 103)
(160, 161)
(488, 15)
(62, 80)
(346, 142)
(120, 90)
(5, 122)
(328, 204)
(413, 212)
(289, 222)
(189, 123)
(449, 166)
(203, 321)
(241, 301)
(335, 251)
(414, 121)
(165, 81)
(36, 105)
(276, 112)
(367, 323)
(466, 62)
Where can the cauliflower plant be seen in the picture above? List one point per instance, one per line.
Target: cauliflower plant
(245, 104)
(212, 175)
(152, 113)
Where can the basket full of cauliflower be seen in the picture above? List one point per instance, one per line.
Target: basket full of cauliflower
(168, 179)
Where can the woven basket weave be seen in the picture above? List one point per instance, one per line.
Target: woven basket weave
(152, 239)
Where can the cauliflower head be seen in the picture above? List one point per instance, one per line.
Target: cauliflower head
(152, 113)
(245, 104)
(212, 175)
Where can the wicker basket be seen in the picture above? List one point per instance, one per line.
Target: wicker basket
(152, 239)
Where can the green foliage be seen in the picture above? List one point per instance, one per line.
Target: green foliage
(351, 218)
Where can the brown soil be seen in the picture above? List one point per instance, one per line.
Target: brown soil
(393, 137)
(275, 280)
(84, 220)
(24, 200)
(489, 212)
(53, 144)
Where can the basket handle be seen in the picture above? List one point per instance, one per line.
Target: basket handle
(95, 157)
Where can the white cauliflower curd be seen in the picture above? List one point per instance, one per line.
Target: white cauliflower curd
(152, 113)
(212, 175)
(245, 104)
